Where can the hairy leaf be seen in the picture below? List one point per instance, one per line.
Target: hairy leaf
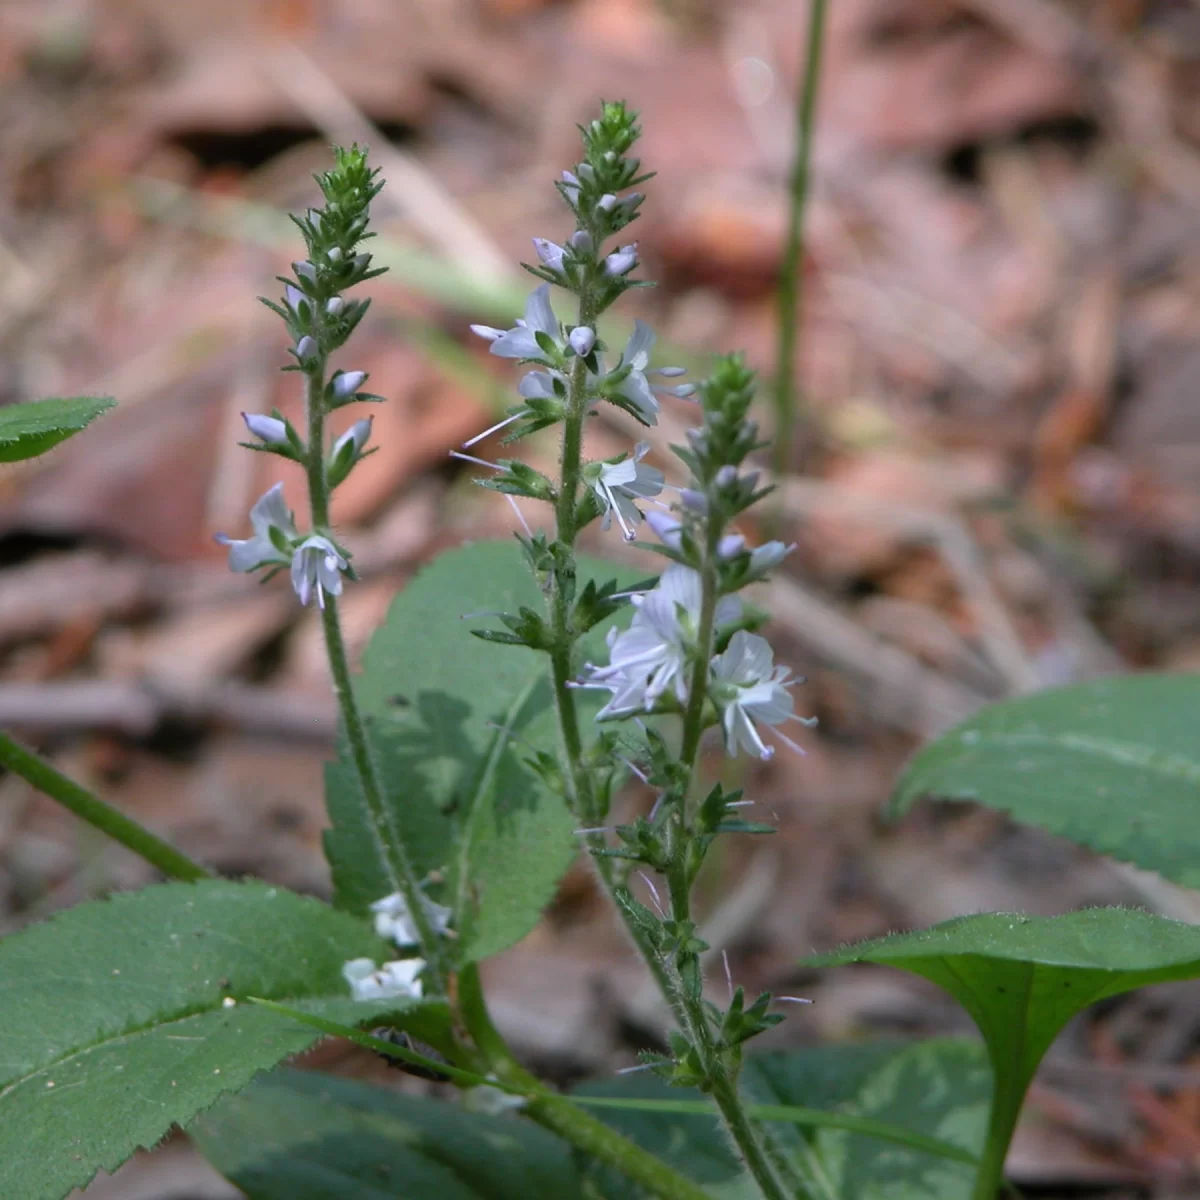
(30, 429)
(1113, 764)
(297, 1135)
(115, 1022)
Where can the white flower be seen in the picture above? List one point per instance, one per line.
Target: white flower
(357, 436)
(621, 261)
(635, 387)
(271, 430)
(618, 484)
(538, 385)
(550, 253)
(346, 383)
(520, 341)
(769, 555)
(269, 512)
(392, 981)
(652, 654)
(317, 566)
(393, 920)
(747, 687)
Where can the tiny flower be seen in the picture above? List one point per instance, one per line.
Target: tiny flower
(271, 430)
(635, 387)
(618, 484)
(581, 242)
(747, 687)
(582, 340)
(666, 529)
(306, 347)
(317, 567)
(305, 270)
(346, 383)
(520, 341)
(550, 253)
(397, 980)
(356, 436)
(538, 385)
(334, 306)
(393, 919)
(269, 513)
(621, 261)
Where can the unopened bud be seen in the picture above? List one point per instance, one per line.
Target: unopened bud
(357, 436)
(334, 306)
(581, 242)
(726, 477)
(305, 270)
(550, 253)
(607, 202)
(306, 347)
(335, 254)
(271, 430)
(347, 383)
(582, 340)
(731, 545)
(621, 261)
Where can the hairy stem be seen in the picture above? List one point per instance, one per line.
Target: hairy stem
(40, 774)
(388, 839)
(791, 283)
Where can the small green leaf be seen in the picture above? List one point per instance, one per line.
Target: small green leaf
(452, 719)
(1022, 978)
(114, 1022)
(297, 1135)
(30, 429)
(1113, 764)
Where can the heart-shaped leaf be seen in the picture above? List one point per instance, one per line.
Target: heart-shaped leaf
(297, 1135)
(1113, 764)
(121, 1018)
(30, 429)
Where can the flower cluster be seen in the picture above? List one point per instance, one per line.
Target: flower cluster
(319, 319)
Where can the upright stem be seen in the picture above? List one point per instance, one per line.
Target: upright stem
(387, 837)
(116, 825)
(791, 282)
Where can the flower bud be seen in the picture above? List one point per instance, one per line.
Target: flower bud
(665, 528)
(571, 187)
(694, 500)
(294, 296)
(335, 254)
(306, 347)
(334, 306)
(607, 202)
(582, 340)
(305, 270)
(347, 383)
(586, 173)
(621, 261)
(271, 430)
(672, 372)
(357, 436)
(550, 253)
(630, 202)
(731, 545)
(683, 391)
(726, 477)
(769, 555)
(581, 242)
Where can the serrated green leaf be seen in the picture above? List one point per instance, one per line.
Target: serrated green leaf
(30, 429)
(452, 719)
(296, 1135)
(1113, 764)
(114, 1027)
(937, 1090)
(1023, 978)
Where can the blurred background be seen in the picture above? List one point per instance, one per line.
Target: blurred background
(994, 484)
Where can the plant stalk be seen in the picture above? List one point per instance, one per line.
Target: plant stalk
(791, 284)
(102, 816)
(387, 837)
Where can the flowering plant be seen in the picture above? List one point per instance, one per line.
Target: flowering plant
(466, 783)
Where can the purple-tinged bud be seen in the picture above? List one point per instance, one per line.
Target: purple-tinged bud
(731, 545)
(334, 306)
(672, 372)
(666, 529)
(487, 332)
(306, 347)
(305, 270)
(582, 340)
(621, 261)
(698, 439)
(607, 202)
(682, 392)
(750, 479)
(630, 202)
(610, 157)
(581, 242)
(769, 555)
(726, 477)
(694, 500)
(271, 430)
(550, 253)
(571, 187)
(586, 173)
(335, 254)
(347, 383)
(357, 436)
(293, 295)
(360, 262)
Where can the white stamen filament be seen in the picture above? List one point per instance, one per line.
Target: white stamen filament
(492, 429)
(614, 508)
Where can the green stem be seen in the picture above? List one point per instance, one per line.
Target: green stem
(388, 839)
(561, 1115)
(1007, 1097)
(792, 276)
(36, 771)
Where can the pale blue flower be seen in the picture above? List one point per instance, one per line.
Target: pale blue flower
(269, 512)
(618, 484)
(393, 919)
(271, 430)
(399, 980)
(317, 568)
(520, 341)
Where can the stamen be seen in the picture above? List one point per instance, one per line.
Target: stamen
(654, 894)
(639, 1067)
(635, 769)
(482, 462)
(739, 804)
(792, 1000)
(492, 429)
(657, 805)
(520, 516)
(595, 829)
(787, 741)
(728, 974)
(613, 507)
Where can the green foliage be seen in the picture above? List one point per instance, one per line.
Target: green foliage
(114, 1026)
(1113, 764)
(296, 1135)
(936, 1089)
(27, 430)
(452, 720)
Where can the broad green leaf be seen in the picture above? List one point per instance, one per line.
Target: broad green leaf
(114, 1024)
(452, 719)
(297, 1135)
(30, 429)
(937, 1090)
(1113, 764)
(1022, 978)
